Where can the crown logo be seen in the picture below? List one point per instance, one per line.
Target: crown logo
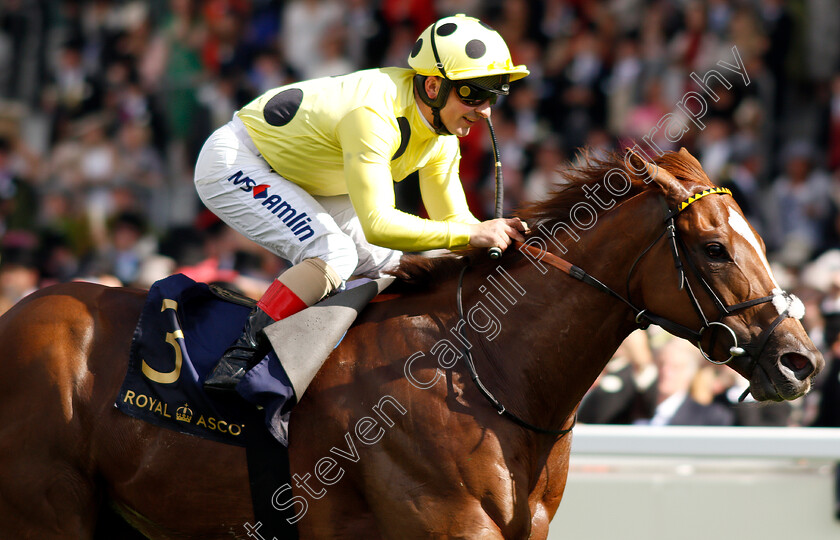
(184, 413)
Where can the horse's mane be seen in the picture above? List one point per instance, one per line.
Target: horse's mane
(575, 182)
(420, 272)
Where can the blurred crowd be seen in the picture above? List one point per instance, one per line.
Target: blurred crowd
(104, 105)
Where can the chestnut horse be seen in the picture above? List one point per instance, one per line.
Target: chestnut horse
(393, 439)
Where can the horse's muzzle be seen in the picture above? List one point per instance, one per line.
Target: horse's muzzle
(789, 377)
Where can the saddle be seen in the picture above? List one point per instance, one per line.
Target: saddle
(302, 342)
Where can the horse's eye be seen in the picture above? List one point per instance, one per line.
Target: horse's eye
(716, 251)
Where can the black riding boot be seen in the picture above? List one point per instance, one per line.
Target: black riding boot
(245, 353)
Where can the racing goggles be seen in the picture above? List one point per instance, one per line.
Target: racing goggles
(476, 92)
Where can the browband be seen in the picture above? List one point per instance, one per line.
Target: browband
(696, 197)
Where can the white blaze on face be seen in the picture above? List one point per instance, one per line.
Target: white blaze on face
(740, 226)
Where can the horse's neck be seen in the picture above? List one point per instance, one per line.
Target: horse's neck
(555, 339)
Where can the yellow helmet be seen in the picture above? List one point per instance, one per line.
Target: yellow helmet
(462, 47)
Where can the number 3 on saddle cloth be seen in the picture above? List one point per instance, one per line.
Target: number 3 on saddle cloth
(184, 329)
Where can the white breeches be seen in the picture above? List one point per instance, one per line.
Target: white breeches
(238, 185)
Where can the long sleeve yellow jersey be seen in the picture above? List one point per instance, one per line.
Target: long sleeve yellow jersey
(357, 134)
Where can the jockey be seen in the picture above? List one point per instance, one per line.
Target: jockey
(306, 171)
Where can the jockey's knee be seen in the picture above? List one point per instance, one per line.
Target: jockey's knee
(343, 257)
(311, 280)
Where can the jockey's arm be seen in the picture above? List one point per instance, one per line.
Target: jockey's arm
(367, 172)
(443, 196)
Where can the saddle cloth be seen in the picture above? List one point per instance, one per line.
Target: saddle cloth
(184, 329)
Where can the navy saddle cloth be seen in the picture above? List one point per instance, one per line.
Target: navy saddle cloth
(183, 330)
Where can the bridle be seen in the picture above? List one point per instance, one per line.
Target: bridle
(782, 300)
(784, 303)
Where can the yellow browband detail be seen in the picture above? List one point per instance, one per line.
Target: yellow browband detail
(694, 198)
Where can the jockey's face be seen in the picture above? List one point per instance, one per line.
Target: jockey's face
(457, 116)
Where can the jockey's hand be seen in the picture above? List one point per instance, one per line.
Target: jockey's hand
(497, 232)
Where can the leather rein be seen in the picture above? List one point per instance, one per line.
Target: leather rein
(782, 300)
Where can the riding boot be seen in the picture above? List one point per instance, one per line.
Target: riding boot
(250, 348)
(245, 353)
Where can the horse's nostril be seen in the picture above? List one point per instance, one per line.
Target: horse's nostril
(799, 364)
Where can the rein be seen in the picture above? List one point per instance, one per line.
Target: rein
(782, 301)
(468, 359)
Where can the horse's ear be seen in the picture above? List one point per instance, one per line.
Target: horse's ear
(687, 155)
(651, 172)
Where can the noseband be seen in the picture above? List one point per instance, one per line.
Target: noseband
(787, 305)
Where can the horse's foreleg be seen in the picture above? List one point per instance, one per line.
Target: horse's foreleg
(539, 523)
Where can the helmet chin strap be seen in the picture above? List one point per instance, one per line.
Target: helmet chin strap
(440, 129)
(437, 103)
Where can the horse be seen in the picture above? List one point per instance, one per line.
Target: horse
(446, 410)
